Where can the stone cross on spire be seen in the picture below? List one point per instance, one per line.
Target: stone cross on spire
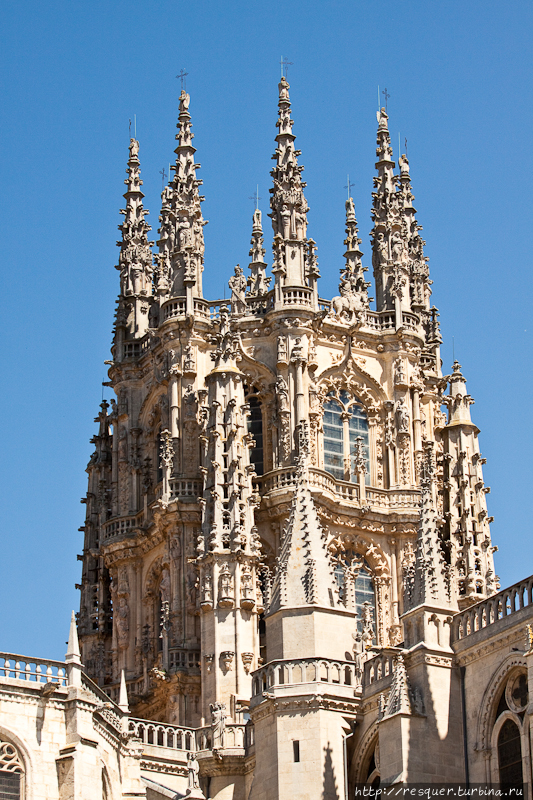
(181, 243)
(288, 205)
(135, 259)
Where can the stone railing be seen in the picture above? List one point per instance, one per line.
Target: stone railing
(173, 308)
(297, 296)
(122, 526)
(285, 479)
(324, 305)
(159, 734)
(33, 670)
(182, 489)
(234, 735)
(380, 666)
(494, 608)
(304, 670)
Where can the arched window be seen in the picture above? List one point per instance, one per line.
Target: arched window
(11, 772)
(345, 423)
(510, 756)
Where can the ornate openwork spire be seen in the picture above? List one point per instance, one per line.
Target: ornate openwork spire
(414, 244)
(135, 259)
(304, 575)
(293, 264)
(257, 283)
(353, 288)
(430, 586)
(181, 243)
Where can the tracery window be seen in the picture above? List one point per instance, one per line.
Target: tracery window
(11, 772)
(510, 713)
(365, 596)
(344, 423)
(510, 756)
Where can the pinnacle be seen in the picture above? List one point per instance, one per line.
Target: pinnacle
(73, 647)
(303, 548)
(135, 259)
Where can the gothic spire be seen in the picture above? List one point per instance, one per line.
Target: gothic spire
(429, 580)
(294, 261)
(257, 283)
(304, 574)
(352, 284)
(398, 699)
(181, 243)
(135, 259)
(420, 283)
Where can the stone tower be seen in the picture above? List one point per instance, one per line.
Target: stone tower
(276, 489)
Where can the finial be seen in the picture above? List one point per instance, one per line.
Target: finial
(123, 702)
(73, 647)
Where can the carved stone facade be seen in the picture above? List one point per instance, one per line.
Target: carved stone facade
(277, 500)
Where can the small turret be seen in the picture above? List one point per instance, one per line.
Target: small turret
(430, 586)
(135, 260)
(382, 201)
(257, 283)
(353, 289)
(420, 284)
(465, 508)
(304, 574)
(181, 243)
(294, 261)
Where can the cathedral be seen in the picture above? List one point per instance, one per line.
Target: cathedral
(287, 586)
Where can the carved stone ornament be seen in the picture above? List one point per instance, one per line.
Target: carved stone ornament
(226, 660)
(209, 658)
(247, 660)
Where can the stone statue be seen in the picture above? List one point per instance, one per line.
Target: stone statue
(399, 372)
(164, 586)
(193, 769)
(237, 284)
(282, 394)
(397, 247)
(123, 623)
(285, 221)
(402, 416)
(218, 724)
(134, 148)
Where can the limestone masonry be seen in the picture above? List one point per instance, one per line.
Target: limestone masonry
(288, 585)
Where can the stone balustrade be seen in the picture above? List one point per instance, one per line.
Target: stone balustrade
(493, 609)
(380, 666)
(304, 671)
(160, 734)
(173, 308)
(297, 296)
(285, 479)
(122, 526)
(33, 670)
(235, 735)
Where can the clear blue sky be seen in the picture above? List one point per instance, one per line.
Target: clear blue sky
(459, 76)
